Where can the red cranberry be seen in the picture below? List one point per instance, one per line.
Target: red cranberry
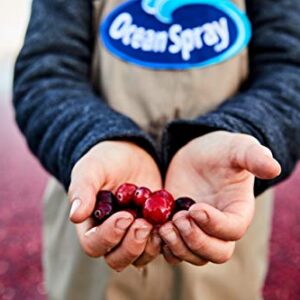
(165, 195)
(141, 195)
(157, 210)
(183, 203)
(102, 211)
(105, 206)
(106, 196)
(125, 193)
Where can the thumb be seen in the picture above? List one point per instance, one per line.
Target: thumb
(82, 192)
(258, 160)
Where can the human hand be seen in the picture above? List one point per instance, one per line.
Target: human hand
(217, 170)
(121, 240)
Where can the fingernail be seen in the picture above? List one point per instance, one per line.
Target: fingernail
(267, 152)
(142, 233)
(75, 205)
(170, 236)
(184, 226)
(123, 223)
(91, 232)
(199, 216)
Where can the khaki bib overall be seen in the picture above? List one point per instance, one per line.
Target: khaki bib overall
(152, 98)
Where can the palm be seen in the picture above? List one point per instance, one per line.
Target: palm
(215, 182)
(122, 164)
(208, 174)
(217, 170)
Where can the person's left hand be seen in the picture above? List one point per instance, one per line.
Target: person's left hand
(217, 170)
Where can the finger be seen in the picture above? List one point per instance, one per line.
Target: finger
(85, 184)
(177, 247)
(210, 248)
(153, 248)
(229, 224)
(97, 241)
(257, 159)
(169, 257)
(131, 247)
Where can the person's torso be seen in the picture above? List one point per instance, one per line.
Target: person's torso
(153, 97)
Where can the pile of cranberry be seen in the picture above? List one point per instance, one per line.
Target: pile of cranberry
(155, 207)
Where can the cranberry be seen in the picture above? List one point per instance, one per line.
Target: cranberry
(183, 203)
(141, 195)
(102, 211)
(157, 209)
(165, 195)
(125, 193)
(105, 206)
(106, 196)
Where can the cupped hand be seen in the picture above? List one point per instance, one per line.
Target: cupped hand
(218, 171)
(121, 240)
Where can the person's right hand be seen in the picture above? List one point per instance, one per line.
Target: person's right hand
(120, 239)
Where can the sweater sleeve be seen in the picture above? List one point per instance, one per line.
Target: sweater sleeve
(268, 107)
(56, 107)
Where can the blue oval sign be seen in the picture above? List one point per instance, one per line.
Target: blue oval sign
(175, 34)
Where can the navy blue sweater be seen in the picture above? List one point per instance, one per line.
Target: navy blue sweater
(62, 117)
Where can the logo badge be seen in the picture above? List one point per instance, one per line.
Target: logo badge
(175, 34)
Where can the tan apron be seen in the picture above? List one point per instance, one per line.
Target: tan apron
(152, 98)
